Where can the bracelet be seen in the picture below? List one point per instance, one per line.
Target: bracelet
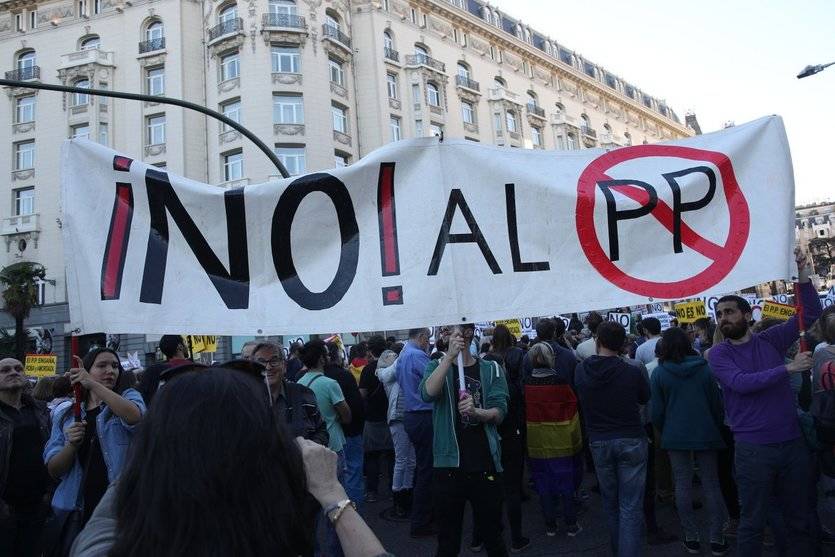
(337, 509)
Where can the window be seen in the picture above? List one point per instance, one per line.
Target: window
(286, 59)
(510, 120)
(292, 157)
(25, 109)
(155, 81)
(18, 23)
(536, 137)
(341, 159)
(26, 60)
(80, 131)
(588, 68)
(433, 97)
(154, 31)
(33, 19)
(499, 82)
(340, 118)
(532, 99)
(156, 130)
(24, 201)
(229, 13)
(283, 7)
(232, 110)
(418, 128)
(572, 142)
(559, 109)
(79, 99)
(416, 94)
(233, 166)
(24, 155)
(97, 6)
(230, 67)
(336, 71)
(421, 52)
(104, 134)
(467, 112)
(413, 15)
(561, 143)
(90, 43)
(394, 126)
(585, 122)
(463, 70)
(288, 109)
(81, 6)
(436, 130)
(388, 42)
(332, 21)
(628, 137)
(391, 85)
(497, 121)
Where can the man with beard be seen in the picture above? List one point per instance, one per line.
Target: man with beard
(771, 456)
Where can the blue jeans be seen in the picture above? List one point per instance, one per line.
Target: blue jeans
(621, 466)
(334, 548)
(549, 503)
(682, 463)
(354, 481)
(775, 470)
(404, 457)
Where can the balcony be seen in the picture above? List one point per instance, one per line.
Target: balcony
(391, 54)
(228, 27)
(424, 60)
(536, 110)
(342, 138)
(85, 57)
(562, 118)
(20, 224)
(151, 45)
(285, 21)
(335, 35)
(588, 132)
(467, 83)
(232, 184)
(502, 94)
(24, 74)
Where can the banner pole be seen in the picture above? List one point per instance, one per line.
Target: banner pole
(804, 344)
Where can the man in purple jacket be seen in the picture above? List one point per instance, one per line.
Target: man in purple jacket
(771, 455)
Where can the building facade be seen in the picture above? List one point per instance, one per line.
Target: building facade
(322, 81)
(814, 228)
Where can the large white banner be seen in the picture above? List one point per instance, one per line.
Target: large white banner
(425, 232)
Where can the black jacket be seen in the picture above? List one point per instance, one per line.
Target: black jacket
(297, 409)
(6, 436)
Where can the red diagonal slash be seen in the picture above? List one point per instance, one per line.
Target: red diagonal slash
(664, 214)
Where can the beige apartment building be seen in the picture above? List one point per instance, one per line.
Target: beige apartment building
(322, 81)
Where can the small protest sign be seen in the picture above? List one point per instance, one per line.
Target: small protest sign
(688, 312)
(40, 365)
(774, 310)
(624, 319)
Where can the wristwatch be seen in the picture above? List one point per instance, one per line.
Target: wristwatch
(333, 512)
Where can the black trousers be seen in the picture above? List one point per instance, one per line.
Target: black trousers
(484, 491)
(21, 532)
(727, 481)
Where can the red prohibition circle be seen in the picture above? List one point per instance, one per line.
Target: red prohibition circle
(729, 254)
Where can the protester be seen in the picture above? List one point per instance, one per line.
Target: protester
(294, 364)
(24, 430)
(402, 479)
(248, 348)
(554, 439)
(586, 349)
(466, 448)
(823, 413)
(511, 431)
(771, 457)
(377, 443)
(335, 411)
(176, 353)
(358, 359)
(564, 359)
(353, 429)
(645, 353)
(294, 405)
(687, 410)
(237, 515)
(704, 328)
(611, 392)
(417, 420)
(61, 391)
(89, 454)
(43, 389)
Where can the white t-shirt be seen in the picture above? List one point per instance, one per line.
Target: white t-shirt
(587, 348)
(645, 353)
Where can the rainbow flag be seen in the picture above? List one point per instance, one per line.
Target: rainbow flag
(555, 440)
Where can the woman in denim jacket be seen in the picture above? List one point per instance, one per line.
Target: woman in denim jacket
(92, 452)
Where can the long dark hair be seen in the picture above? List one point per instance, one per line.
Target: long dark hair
(675, 346)
(123, 381)
(502, 339)
(211, 472)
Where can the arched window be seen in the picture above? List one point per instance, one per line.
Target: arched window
(433, 96)
(628, 137)
(421, 54)
(532, 101)
(585, 122)
(227, 14)
(559, 108)
(332, 19)
(80, 99)
(608, 128)
(510, 120)
(90, 42)
(154, 31)
(388, 40)
(283, 7)
(26, 60)
(463, 70)
(499, 82)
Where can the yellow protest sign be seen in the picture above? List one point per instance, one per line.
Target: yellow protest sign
(40, 365)
(202, 343)
(688, 312)
(773, 310)
(513, 325)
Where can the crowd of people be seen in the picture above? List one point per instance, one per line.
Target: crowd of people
(280, 451)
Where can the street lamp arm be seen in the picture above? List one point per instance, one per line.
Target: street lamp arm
(812, 70)
(157, 99)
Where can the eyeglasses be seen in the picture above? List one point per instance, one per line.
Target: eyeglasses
(273, 362)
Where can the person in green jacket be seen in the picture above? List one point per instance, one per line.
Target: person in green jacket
(687, 410)
(466, 446)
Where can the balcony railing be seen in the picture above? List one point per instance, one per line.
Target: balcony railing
(152, 45)
(464, 81)
(20, 224)
(502, 94)
(226, 27)
(424, 60)
(588, 132)
(283, 20)
(23, 74)
(537, 110)
(391, 54)
(334, 33)
(84, 57)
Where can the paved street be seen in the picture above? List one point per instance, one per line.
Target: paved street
(592, 541)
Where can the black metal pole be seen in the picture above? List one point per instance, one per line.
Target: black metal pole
(157, 99)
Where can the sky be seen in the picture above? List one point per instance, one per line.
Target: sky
(729, 60)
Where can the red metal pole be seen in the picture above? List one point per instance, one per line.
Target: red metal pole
(804, 344)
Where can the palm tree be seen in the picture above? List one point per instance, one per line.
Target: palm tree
(20, 294)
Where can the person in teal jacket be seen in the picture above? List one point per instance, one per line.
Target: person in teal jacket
(466, 446)
(687, 410)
